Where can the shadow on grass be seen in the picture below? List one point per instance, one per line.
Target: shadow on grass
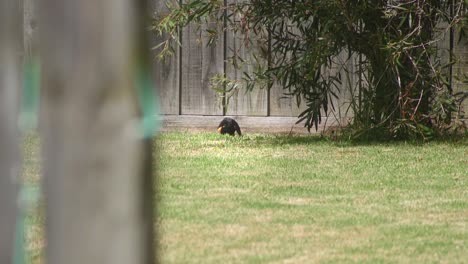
(276, 140)
(281, 140)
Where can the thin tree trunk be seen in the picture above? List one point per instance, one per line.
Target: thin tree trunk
(97, 167)
(10, 83)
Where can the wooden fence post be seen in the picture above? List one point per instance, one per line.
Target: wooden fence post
(10, 83)
(97, 166)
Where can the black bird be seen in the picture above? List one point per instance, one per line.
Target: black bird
(229, 126)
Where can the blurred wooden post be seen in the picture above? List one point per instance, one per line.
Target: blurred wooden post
(97, 168)
(10, 83)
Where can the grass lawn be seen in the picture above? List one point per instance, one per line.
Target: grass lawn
(280, 199)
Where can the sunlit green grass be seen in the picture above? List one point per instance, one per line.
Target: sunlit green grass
(259, 199)
(280, 199)
(34, 213)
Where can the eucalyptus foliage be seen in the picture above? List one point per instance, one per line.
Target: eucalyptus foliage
(403, 87)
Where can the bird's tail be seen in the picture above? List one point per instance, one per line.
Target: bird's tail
(238, 130)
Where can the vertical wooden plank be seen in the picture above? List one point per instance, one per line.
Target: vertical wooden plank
(285, 105)
(10, 83)
(282, 104)
(460, 68)
(166, 73)
(447, 46)
(95, 160)
(343, 66)
(355, 83)
(200, 62)
(443, 45)
(243, 102)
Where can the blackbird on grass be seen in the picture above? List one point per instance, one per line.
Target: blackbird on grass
(229, 126)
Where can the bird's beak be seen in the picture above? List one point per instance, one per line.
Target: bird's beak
(219, 129)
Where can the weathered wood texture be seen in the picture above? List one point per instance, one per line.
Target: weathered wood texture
(95, 161)
(248, 124)
(443, 45)
(243, 102)
(345, 69)
(167, 75)
(200, 62)
(183, 80)
(10, 85)
(460, 69)
(282, 104)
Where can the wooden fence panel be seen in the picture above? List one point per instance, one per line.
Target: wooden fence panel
(243, 102)
(200, 62)
(443, 45)
(282, 104)
(167, 72)
(187, 78)
(460, 68)
(344, 66)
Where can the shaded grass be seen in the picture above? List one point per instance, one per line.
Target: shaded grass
(280, 199)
